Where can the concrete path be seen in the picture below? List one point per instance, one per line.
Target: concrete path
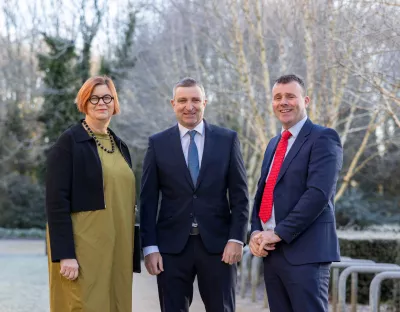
(24, 282)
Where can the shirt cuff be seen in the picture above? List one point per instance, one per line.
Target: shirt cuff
(149, 250)
(236, 241)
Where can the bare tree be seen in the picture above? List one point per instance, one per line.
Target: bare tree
(238, 48)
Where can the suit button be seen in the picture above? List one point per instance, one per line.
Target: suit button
(191, 215)
(194, 196)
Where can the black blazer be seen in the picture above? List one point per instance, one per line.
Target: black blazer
(219, 200)
(74, 183)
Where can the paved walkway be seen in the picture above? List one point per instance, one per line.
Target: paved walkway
(24, 282)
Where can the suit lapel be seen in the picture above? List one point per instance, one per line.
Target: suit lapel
(298, 143)
(176, 147)
(269, 154)
(209, 146)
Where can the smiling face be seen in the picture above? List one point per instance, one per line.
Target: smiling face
(189, 104)
(101, 111)
(289, 103)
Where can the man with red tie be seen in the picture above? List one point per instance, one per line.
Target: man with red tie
(293, 222)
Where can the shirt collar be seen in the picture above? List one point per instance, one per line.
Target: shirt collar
(199, 128)
(295, 130)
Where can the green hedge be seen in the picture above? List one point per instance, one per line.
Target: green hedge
(379, 249)
(22, 233)
(22, 203)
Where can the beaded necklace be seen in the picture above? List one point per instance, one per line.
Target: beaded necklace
(86, 126)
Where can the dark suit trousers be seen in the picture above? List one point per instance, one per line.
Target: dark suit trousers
(216, 280)
(295, 288)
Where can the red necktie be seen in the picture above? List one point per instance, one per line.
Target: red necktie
(268, 195)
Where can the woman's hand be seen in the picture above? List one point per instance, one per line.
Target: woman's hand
(69, 268)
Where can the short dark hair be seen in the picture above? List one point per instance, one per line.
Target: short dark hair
(188, 82)
(290, 78)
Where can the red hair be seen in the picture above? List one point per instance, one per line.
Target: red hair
(86, 90)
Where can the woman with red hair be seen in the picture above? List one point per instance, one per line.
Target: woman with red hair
(90, 200)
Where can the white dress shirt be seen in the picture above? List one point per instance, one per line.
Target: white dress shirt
(185, 140)
(198, 139)
(295, 130)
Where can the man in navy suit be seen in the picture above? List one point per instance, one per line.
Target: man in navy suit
(293, 221)
(199, 226)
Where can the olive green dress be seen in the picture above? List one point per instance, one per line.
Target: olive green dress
(103, 244)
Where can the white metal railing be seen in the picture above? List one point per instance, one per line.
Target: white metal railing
(375, 288)
(364, 268)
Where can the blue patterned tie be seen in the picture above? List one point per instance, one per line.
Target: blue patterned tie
(193, 158)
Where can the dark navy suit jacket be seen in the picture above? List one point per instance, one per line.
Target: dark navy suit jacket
(304, 194)
(219, 200)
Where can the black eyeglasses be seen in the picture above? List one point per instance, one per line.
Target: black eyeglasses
(94, 99)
